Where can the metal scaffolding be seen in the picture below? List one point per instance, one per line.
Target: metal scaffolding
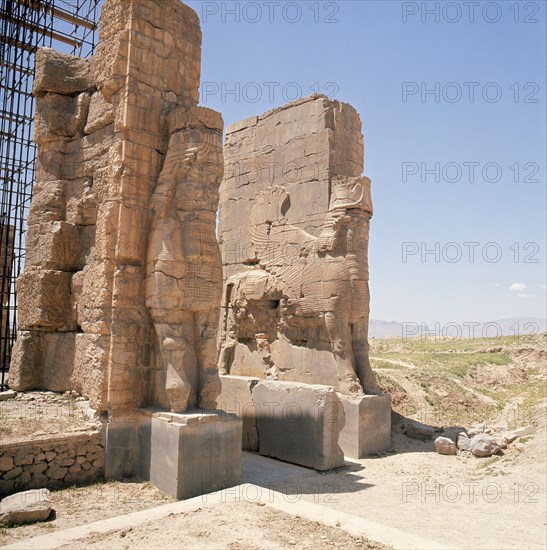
(25, 26)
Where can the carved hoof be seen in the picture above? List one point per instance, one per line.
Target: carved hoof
(207, 401)
(178, 403)
(178, 391)
(373, 390)
(209, 393)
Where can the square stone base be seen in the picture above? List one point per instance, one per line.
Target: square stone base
(194, 453)
(368, 425)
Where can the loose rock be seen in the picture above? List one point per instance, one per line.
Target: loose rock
(464, 443)
(8, 394)
(26, 507)
(484, 445)
(417, 430)
(477, 428)
(445, 446)
(520, 432)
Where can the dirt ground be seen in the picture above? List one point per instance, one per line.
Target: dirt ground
(44, 412)
(80, 505)
(232, 526)
(214, 528)
(458, 501)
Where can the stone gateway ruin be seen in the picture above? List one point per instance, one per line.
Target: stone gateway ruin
(195, 348)
(296, 297)
(294, 230)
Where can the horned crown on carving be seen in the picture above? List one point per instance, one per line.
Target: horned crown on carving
(348, 193)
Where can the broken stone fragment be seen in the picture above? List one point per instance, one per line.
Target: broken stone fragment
(445, 446)
(26, 507)
(519, 432)
(483, 445)
(417, 430)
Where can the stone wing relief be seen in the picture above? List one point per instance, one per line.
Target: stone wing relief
(300, 282)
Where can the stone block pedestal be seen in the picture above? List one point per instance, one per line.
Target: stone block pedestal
(285, 420)
(299, 423)
(368, 425)
(193, 453)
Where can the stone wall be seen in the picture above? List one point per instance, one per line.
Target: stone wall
(51, 462)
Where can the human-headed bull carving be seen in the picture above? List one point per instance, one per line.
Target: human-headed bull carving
(300, 281)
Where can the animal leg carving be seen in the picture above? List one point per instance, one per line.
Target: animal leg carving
(179, 360)
(362, 363)
(340, 337)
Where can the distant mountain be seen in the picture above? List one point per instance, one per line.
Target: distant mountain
(502, 327)
(385, 329)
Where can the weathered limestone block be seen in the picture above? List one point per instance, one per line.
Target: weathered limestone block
(236, 398)
(100, 114)
(95, 150)
(299, 423)
(162, 61)
(368, 425)
(53, 246)
(194, 453)
(44, 300)
(59, 160)
(23, 374)
(86, 236)
(48, 202)
(42, 360)
(57, 360)
(81, 202)
(90, 368)
(59, 116)
(60, 73)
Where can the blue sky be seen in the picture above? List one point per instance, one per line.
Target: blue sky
(459, 188)
(365, 53)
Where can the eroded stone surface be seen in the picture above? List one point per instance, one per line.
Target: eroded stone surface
(293, 228)
(127, 167)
